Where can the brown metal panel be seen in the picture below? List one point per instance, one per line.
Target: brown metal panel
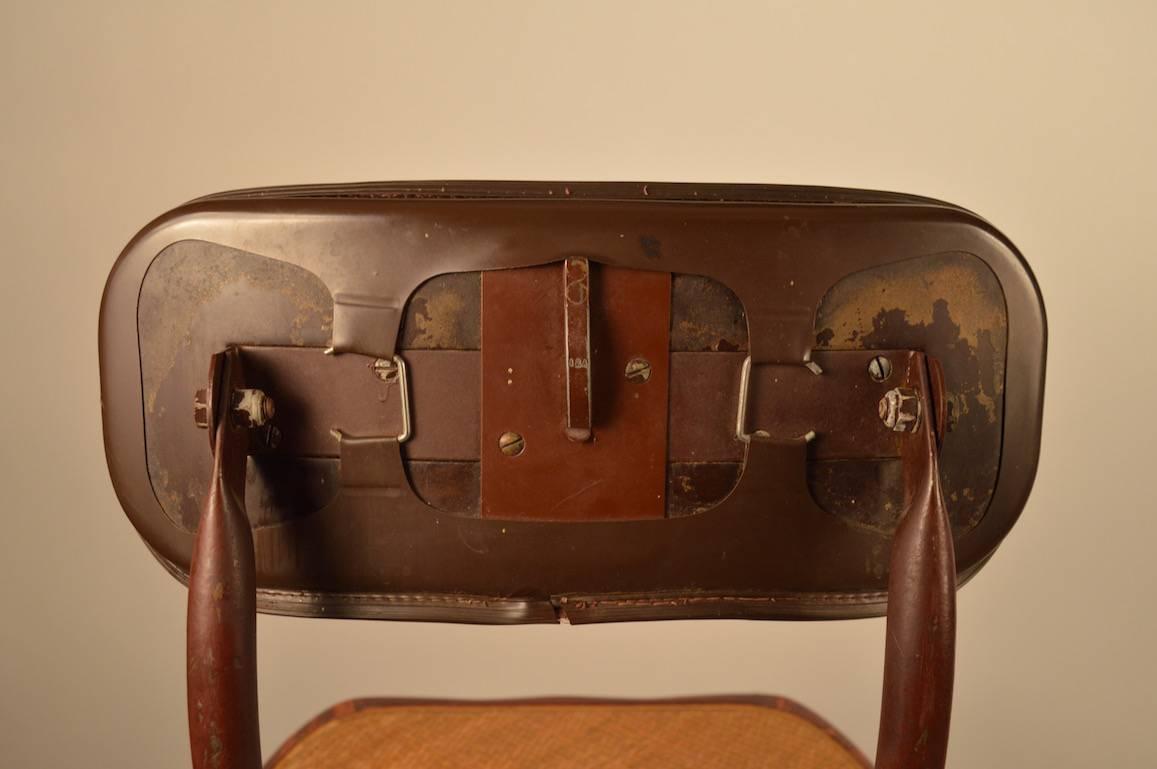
(621, 472)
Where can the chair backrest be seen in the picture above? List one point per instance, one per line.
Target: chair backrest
(509, 403)
(667, 510)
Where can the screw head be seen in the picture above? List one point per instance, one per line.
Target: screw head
(511, 444)
(900, 410)
(879, 368)
(638, 370)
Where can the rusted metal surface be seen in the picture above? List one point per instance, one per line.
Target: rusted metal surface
(196, 299)
(622, 472)
(445, 313)
(952, 306)
(706, 316)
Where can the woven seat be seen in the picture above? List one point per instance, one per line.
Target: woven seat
(380, 734)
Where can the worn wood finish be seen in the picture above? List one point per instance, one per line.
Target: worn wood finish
(222, 619)
(921, 629)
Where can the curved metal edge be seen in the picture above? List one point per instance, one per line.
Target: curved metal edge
(1024, 391)
(660, 192)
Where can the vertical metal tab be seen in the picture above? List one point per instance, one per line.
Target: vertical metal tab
(577, 309)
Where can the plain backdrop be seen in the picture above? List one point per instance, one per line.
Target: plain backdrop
(1039, 116)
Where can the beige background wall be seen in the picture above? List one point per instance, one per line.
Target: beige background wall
(1040, 116)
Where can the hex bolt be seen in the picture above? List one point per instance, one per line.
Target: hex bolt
(201, 409)
(511, 444)
(638, 370)
(252, 408)
(900, 410)
(879, 368)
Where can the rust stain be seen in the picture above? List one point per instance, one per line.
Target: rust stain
(952, 307)
(444, 313)
(188, 280)
(434, 329)
(196, 298)
(706, 316)
(955, 297)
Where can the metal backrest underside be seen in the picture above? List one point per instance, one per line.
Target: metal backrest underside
(799, 308)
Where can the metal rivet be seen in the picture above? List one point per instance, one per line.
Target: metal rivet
(879, 368)
(638, 370)
(511, 444)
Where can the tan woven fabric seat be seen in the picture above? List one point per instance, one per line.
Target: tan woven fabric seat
(768, 733)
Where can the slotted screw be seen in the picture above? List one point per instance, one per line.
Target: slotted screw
(638, 370)
(879, 368)
(511, 444)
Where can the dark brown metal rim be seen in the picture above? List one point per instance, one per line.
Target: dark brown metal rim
(574, 610)
(692, 192)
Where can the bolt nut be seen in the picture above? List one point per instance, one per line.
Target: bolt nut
(900, 410)
(201, 409)
(638, 370)
(511, 444)
(252, 408)
(879, 368)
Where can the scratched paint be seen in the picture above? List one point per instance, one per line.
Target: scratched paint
(952, 307)
(197, 298)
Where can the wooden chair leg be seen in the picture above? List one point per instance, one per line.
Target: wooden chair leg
(921, 626)
(222, 615)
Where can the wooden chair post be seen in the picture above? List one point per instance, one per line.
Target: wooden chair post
(921, 626)
(222, 613)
